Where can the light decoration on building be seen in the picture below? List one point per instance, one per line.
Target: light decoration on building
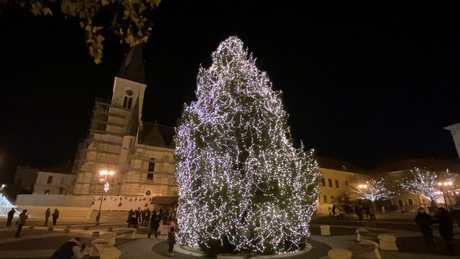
(371, 188)
(106, 186)
(241, 181)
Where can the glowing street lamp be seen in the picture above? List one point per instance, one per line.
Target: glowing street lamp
(104, 173)
(443, 185)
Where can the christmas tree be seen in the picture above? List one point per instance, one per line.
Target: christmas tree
(5, 206)
(243, 186)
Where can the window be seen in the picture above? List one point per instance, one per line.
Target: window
(332, 199)
(347, 184)
(410, 202)
(330, 182)
(325, 199)
(151, 165)
(150, 176)
(323, 182)
(50, 179)
(336, 183)
(125, 102)
(130, 102)
(47, 192)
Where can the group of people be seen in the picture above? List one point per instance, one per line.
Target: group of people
(446, 228)
(138, 216)
(156, 224)
(23, 216)
(346, 211)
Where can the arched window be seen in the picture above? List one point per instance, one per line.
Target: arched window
(400, 203)
(410, 202)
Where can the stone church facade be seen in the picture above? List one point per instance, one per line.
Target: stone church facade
(141, 154)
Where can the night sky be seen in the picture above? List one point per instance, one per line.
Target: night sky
(365, 82)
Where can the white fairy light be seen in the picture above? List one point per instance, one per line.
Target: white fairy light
(371, 188)
(241, 181)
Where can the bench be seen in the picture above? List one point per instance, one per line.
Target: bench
(364, 234)
(387, 242)
(128, 233)
(325, 230)
(104, 250)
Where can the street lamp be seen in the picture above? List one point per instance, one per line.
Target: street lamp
(443, 185)
(105, 173)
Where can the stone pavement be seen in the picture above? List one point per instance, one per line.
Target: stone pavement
(38, 243)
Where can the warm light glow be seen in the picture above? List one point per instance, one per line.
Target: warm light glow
(104, 172)
(439, 184)
(111, 173)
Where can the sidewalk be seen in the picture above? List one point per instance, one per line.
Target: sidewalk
(38, 243)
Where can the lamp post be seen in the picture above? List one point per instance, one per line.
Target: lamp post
(443, 186)
(105, 173)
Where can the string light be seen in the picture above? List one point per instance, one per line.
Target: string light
(241, 181)
(371, 189)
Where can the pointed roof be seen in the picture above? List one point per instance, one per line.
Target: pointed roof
(133, 68)
(153, 134)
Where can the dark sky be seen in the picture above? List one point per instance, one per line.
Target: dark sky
(365, 82)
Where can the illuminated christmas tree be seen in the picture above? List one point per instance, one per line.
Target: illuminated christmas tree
(243, 186)
(5, 206)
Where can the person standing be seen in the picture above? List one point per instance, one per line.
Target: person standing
(424, 221)
(138, 215)
(143, 217)
(130, 216)
(21, 222)
(71, 249)
(372, 213)
(446, 229)
(10, 217)
(171, 239)
(154, 224)
(55, 216)
(47, 216)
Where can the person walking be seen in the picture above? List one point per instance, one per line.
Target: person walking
(21, 222)
(71, 249)
(154, 224)
(55, 216)
(147, 217)
(446, 229)
(47, 216)
(10, 217)
(171, 238)
(424, 221)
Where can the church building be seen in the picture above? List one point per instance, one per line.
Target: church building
(140, 154)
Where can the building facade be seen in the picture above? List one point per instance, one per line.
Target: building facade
(53, 183)
(140, 154)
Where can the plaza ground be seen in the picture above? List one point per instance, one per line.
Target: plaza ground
(39, 243)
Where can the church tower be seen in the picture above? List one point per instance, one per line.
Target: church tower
(113, 130)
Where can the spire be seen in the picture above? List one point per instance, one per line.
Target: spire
(132, 67)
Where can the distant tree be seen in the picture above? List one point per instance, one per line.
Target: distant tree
(129, 18)
(425, 183)
(372, 188)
